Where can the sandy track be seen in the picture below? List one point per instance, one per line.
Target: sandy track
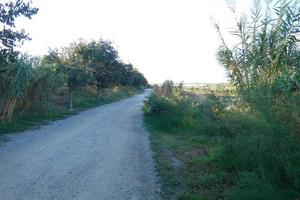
(102, 153)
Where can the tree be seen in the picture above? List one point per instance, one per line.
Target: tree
(136, 78)
(14, 70)
(46, 82)
(129, 76)
(102, 59)
(69, 62)
(10, 37)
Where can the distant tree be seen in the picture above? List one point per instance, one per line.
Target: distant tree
(102, 59)
(180, 86)
(131, 77)
(167, 88)
(138, 79)
(69, 63)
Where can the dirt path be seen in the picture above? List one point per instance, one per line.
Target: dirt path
(102, 153)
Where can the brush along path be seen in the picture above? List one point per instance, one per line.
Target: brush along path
(101, 153)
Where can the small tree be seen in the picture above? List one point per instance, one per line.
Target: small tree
(14, 72)
(18, 75)
(46, 82)
(264, 65)
(70, 64)
(102, 60)
(167, 88)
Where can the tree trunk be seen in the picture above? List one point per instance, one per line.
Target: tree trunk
(71, 99)
(8, 109)
(98, 92)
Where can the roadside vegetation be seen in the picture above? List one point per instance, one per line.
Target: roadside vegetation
(218, 89)
(82, 75)
(84, 98)
(245, 147)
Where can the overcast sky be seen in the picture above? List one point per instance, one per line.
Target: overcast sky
(164, 39)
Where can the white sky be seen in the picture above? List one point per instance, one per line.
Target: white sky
(164, 39)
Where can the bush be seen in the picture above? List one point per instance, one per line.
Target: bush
(249, 186)
(170, 115)
(261, 155)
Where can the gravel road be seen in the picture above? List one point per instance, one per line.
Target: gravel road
(102, 153)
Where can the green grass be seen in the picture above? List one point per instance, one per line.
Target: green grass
(186, 160)
(196, 175)
(27, 121)
(82, 100)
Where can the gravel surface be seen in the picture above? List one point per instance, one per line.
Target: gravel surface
(102, 153)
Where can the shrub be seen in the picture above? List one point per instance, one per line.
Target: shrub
(170, 115)
(272, 159)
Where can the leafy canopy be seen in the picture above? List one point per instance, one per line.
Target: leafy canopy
(10, 36)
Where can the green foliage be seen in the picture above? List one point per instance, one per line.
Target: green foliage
(93, 64)
(184, 157)
(101, 57)
(83, 99)
(9, 36)
(101, 60)
(264, 64)
(15, 72)
(16, 77)
(256, 152)
(38, 85)
(219, 89)
(15, 81)
(168, 115)
(167, 88)
(263, 151)
(228, 151)
(46, 82)
(250, 186)
(173, 112)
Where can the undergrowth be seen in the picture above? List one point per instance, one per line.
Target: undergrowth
(211, 150)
